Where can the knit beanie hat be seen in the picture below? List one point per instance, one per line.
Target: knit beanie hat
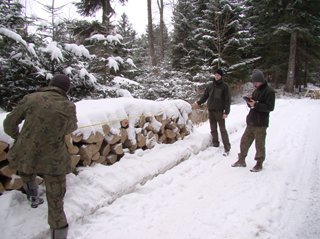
(257, 76)
(219, 71)
(61, 81)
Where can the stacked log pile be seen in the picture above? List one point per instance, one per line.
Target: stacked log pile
(106, 147)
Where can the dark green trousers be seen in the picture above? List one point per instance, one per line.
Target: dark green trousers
(215, 118)
(55, 191)
(257, 133)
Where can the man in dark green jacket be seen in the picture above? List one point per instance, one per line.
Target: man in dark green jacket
(40, 146)
(219, 99)
(261, 104)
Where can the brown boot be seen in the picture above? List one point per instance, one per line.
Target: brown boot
(239, 163)
(257, 167)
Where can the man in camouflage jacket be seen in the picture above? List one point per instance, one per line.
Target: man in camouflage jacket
(261, 104)
(219, 99)
(40, 146)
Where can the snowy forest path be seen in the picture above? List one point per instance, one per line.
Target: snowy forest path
(208, 195)
(188, 190)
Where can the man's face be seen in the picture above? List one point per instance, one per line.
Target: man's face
(257, 84)
(217, 76)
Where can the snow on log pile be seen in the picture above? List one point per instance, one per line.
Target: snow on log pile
(109, 128)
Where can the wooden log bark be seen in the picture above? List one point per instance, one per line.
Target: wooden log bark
(124, 123)
(150, 134)
(124, 135)
(156, 137)
(141, 122)
(111, 159)
(170, 134)
(74, 160)
(5, 171)
(101, 159)
(12, 183)
(85, 152)
(149, 118)
(96, 156)
(112, 138)
(3, 156)
(171, 140)
(159, 118)
(86, 162)
(2, 189)
(142, 142)
(133, 147)
(73, 149)
(162, 138)
(3, 146)
(144, 132)
(116, 148)
(106, 129)
(139, 136)
(151, 142)
(76, 138)
(93, 138)
(148, 126)
(128, 144)
(104, 149)
(96, 147)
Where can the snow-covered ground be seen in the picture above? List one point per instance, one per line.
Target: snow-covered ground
(189, 190)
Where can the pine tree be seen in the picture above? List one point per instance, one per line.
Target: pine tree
(17, 56)
(225, 39)
(186, 52)
(277, 24)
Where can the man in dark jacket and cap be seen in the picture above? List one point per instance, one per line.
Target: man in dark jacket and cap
(219, 99)
(261, 104)
(40, 147)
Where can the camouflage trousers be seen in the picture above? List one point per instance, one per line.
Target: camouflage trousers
(215, 118)
(257, 133)
(55, 191)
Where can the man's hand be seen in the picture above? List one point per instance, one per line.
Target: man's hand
(195, 104)
(252, 102)
(224, 116)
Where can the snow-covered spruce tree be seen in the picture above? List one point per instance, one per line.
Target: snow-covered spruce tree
(278, 25)
(186, 54)
(59, 54)
(224, 38)
(17, 56)
(129, 40)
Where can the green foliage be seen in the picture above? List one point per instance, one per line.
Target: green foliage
(272, 23)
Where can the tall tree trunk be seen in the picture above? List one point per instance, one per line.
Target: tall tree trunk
(53, 25)
(277, 67)
(161, 7)
(305, 72)
(292, 61)
(106, 10)
(150, 31)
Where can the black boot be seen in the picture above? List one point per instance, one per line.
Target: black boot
(257, 167)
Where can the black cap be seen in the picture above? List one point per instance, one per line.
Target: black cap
(61, 81)
(257, 76)
(219, 71)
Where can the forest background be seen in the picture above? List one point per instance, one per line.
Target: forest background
(103, 57)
